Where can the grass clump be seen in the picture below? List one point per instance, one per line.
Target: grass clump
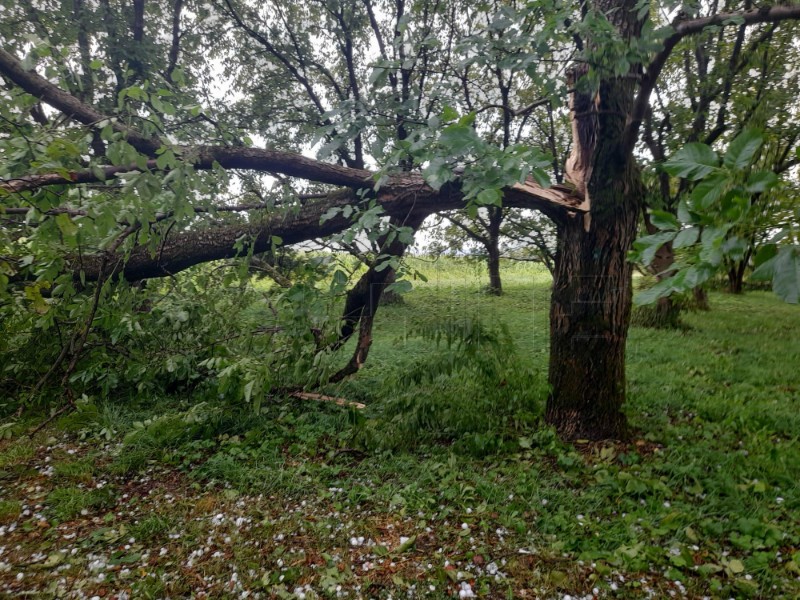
(158, 437)
(151, 528)
(9, 510)
(16, 453)
(69, 502)
(76, 470)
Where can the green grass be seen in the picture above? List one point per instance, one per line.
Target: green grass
(9, 510)
(152, 528)
(451, 453)
(16, 454)
(69, 502)
(77, 470)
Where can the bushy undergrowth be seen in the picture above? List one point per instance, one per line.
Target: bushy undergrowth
(211, 332)
(704, 495)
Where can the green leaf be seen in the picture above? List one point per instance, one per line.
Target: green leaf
(54, 559)
(541, 177)
(449, 114)
(736, 566)
(764, 271)
(407, 545)
(379, 76)
(742, 149)
(165, 160)
(765, 253)
(489, 197)
(400, 287)
(694, 161)
(329, 214)
(98, 172)
(786, 278)
(708, 191)
(66, 225)
(664, 220)
(248, 390)
(649, 296)
(649, 245)
(339, 278)
(684, 214)
(437, 173)
(467, 119)
(457, 139)
(686, 237)
(760, 182)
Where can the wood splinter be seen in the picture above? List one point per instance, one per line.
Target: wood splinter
(323, 398)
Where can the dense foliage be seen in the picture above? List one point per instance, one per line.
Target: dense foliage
(140, 140)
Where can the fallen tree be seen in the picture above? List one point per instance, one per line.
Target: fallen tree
(596, 215)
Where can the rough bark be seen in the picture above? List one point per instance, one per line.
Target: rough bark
(406, 199)
(591, 300)
(665, 314)
(493, 263)
(493, 250)
(589, 315)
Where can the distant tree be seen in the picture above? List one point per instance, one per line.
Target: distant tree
(714, 86)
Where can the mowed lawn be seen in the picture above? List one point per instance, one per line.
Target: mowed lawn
(447, 485)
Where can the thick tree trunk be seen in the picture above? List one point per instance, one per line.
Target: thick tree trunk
(493, 250)
(700, 298)
(493, 262)
(591, 300)
(589, 318)
(665, 314)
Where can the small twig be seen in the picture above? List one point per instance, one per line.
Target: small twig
(323, 398)
(68, 407)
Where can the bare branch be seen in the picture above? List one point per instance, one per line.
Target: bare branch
(175, 48)
(682, 29)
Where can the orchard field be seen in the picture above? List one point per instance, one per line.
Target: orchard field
(447, 484)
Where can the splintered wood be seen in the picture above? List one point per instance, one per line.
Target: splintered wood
(323, 398)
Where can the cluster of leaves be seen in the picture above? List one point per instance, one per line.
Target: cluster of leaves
(210, 330)
(483, 168)
(705, 227)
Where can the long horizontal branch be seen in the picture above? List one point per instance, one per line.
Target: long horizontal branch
(684, 28)
(181, 250)
(291, 164)
(552, 201)
(68, 104)
(405, 196)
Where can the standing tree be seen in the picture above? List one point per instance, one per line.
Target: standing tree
(159, 159)
(714, 86)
